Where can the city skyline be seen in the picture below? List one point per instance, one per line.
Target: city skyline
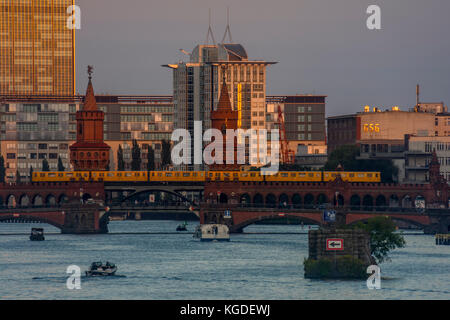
(333, 42)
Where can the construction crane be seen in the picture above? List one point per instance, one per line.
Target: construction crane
(287, 155)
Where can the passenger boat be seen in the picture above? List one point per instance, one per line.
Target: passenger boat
(182, 227)
(100, 269)
(37, 234)
(443, 239)
(212, 232)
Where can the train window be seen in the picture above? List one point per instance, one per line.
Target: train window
(217, 174)
(194, 174)
(235, 175)
(177, 174)
(60, 174)
(311, 175)
(168, 174)
(284, 174)
(119, 174)
(137, 174)
(293, 175)
(101, 175)
(351, 175)
(302, 174)
(159, 174)
(369, 175)
(186, 174)
(70, 175)
(252, 174)
(51, 175)
(360, 175)
(128, 174)
(110, 174)
(244, 174)
(226, 174)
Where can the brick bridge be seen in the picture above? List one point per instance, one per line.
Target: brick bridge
(58, 204)
(424, 205)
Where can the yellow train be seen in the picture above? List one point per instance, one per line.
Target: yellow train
(201, 176)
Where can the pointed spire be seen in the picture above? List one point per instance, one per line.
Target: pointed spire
(90, 103)
(224, 100)
(210, 33)
(228, 30)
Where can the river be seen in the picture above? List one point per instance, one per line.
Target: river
(176, 266)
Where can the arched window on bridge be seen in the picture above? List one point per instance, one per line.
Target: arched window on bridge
(258, 200)
(284, 200)
(223, 198)
(245, 199)
(355, 202)
(322, 199)
(367, 202)
(380, 202)
(63, 199)
(24, 201)
(50, 200)
(11, 201)
(394, 202)
(37, 201)
(309, 200)
(297, 200)
(271, 200)
(406, 202)
(419, 202)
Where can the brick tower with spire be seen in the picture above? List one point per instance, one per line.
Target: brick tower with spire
(223, 118)
(90, 153)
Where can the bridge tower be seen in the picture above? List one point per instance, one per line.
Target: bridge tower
(223, 118)
(89, 153)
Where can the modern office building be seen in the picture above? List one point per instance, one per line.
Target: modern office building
(37, 50)
(304, 117)
(197, 85)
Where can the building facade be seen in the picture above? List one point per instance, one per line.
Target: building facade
(196, 87)
(37, 50)
(32, 130)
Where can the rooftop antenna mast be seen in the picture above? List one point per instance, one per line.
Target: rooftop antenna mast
(210, 33)
(228, 30)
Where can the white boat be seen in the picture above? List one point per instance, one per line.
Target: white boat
(99, 269)
(212, 232)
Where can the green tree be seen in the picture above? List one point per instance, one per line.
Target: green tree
(120, 161)
(60, 165)
(382, 237)
(2, 169)
(18, 180)
(166, 158)
(347, 157)
(136, 157)
(45, 166)
(150, 159)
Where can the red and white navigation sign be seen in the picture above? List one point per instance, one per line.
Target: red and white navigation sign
(335, 244)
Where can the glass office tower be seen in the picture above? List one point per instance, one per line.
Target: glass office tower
(37, 50)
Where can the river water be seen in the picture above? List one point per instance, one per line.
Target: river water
(176, 266)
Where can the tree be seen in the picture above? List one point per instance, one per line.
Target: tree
(60, 165)
(18, 176)
(150, 159)
(45, 166)
(136, 157)
(120, 162)
(347, 157)
(166, 158)
(382, 237)
(2, 169)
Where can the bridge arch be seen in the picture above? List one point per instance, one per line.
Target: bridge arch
(283, 200)
(223, 198)
(63, 198)
(321, 199)
(406, 219)
(258, 199)
(380, 202)
(140, 192)
(270, 216)
(245, 199)
(309, 200)
(406, 201)
(394, 202)
(30, 219)
(367, 202)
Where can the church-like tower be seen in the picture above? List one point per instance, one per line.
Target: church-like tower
(90, 153)
(223, 118)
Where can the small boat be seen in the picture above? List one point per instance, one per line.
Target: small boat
(182, 227)
(212, 232)
(442, 239)
(37, 234)
(100, 269)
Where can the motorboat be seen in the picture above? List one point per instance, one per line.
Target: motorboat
(182, 227)
(212, 232)
(37, 234)
(100, 269)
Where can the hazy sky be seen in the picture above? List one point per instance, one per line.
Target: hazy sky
(322, 46)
